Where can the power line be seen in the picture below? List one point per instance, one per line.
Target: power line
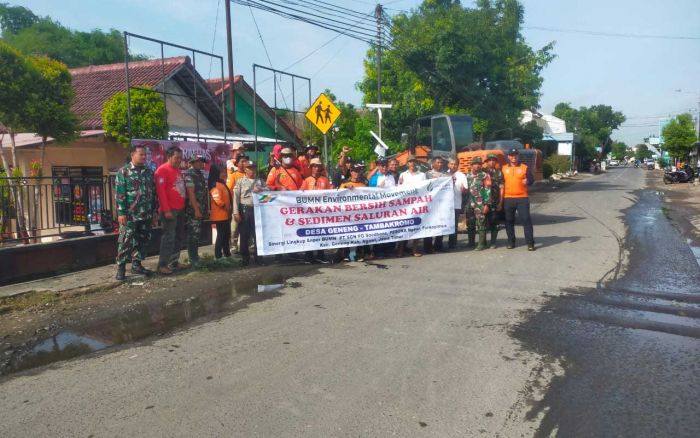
(330, 12)
(341, 9)
(319, 20)
(611, 34)
(266, 52)
(213, 40)
(347, 31)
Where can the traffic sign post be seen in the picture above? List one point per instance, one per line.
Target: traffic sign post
(322, 114)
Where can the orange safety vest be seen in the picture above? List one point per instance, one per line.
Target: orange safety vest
(232, 178)
(514, 185)
(320, 183)
(221, 205)
(280, 178)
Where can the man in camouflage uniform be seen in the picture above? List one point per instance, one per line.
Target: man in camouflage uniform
(479, 188)
(496, 202)
(136, 204)
(197, 209)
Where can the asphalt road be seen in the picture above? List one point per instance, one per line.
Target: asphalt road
(493, 343)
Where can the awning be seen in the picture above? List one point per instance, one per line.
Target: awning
(215, 136)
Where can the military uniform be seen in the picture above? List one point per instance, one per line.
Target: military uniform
(136, 199)
(479, 188)
(496, 176)
(194, 180)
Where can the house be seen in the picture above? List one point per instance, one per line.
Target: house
(194, 113)
(554, 130)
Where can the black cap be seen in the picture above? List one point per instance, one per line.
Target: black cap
(198, 157)
(513, 152)
(382, 162)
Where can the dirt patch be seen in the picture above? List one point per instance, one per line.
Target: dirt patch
(43, 327)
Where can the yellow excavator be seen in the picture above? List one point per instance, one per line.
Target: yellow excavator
(452, 135)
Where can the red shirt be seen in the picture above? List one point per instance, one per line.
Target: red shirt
(320, 183)
(170, 187)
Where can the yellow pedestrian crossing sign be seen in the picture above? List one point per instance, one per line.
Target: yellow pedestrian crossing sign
(323, 113)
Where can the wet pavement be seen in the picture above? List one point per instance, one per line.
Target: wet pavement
(139, 322)
(631, 346)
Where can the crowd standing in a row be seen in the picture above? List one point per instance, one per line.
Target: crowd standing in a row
(183, 202)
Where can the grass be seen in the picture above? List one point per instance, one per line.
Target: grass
(28, 301)
(667, 212)
(207, 263)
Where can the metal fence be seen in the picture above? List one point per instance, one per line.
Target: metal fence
(36, 209)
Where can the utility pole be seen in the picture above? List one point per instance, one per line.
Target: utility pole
(379, 14)
(229, 44)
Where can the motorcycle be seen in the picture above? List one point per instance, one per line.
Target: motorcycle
(683, 175)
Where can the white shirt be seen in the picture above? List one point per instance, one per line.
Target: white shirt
(409, 178)
(386, 181)
(459, 183)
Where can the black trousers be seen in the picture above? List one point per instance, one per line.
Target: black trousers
(222, 246)
(247, 231)
(452, 242)
(522, 206)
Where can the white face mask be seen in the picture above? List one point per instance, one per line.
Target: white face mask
(287, 160)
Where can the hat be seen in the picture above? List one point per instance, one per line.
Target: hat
(252, 164)
(236, 145)
(315, 162)
(357, 168)
(310, 146)
(242, 157)
(382, 162)
(198, 157)
(286, 151)
(513, 152)
(411, 158)
(476, 160)
(494, 156)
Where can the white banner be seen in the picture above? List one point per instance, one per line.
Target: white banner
(296, 221)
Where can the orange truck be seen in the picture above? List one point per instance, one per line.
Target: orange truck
(452, 135)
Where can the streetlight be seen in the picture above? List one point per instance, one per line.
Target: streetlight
(378, 107)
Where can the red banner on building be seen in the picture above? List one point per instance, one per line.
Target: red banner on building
(215, 153)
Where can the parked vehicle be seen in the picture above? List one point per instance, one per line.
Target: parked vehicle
(686, 174)
(613, 163)
(452, 135)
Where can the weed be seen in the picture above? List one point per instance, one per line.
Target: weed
(28, 301)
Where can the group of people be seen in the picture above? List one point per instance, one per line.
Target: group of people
(183, 201)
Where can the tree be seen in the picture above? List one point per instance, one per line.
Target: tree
(449, 59)
(642, 152)
(618, 150)
(35, 35)
(148, 116)
(49, 112)
(594, 125)
(18, 78)
(15, 18)
(679, 136)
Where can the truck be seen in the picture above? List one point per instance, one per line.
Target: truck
(452, 135)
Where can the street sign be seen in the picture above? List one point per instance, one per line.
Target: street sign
(323, 113)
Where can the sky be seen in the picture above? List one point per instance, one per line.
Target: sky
(635, 75)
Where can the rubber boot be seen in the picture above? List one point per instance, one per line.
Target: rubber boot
(494, 235)
(482, 241)
(121, 272)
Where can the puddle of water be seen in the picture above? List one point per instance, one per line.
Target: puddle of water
(266, 288)
(142, 321)
(695, 249)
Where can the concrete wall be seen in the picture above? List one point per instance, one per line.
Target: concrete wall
(28, 262)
